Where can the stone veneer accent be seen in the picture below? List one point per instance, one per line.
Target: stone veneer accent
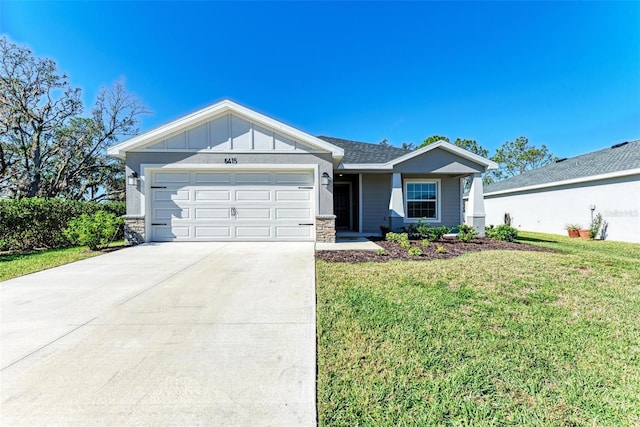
(133, 229)
(326, 228)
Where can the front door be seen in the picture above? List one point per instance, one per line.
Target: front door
(342, 205)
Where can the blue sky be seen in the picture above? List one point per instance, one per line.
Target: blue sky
(563, 74)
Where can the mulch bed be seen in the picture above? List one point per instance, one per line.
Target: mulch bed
(453, 248)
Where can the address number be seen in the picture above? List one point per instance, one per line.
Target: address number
(231, 161)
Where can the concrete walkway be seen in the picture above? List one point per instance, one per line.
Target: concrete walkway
(164, 334)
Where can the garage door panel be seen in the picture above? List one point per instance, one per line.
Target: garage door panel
(212, 195)
(253, 213)
(243, 178)
(172, 177)
(169, 213)
(212, 213)
(285, 195)
(293, 178)
(253, 195)
(299, 232)
(167, 234)
(253, 232)
(208, 232)
(219, 205)
(293, 213)
(212, 178)
(171, 195)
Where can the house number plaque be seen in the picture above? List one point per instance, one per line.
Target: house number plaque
(231, 161)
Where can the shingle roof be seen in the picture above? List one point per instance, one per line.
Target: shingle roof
(364, 152)
(618, 158)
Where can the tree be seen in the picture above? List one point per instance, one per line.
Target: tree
(472, 146)
(385, 143)
(432, 139)
(408, 146)
(47, 148)
(517, 157)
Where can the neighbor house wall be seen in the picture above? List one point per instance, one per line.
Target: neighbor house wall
(549, 210)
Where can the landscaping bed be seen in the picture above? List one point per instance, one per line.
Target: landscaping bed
(441, 249)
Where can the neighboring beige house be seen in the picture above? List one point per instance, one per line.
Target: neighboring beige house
(569, 190)
(229, 173)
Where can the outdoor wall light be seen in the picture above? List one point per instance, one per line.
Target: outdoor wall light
(325, 178)
(133, 178)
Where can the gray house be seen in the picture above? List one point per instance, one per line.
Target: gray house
(229, 173)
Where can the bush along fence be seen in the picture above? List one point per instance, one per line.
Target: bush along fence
(27, 224)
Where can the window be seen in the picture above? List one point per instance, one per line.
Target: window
(422, 199)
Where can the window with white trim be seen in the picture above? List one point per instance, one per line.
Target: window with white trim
(422, 198)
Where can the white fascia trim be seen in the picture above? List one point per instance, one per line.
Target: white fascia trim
(366, 166)
(216, 109)
(568, 182)
(440, 144)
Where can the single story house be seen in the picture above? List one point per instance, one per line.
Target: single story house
(229, 173)
(571, 190)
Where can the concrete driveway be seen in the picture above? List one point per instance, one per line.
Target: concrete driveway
(163, 334)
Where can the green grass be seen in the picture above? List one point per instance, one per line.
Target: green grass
(14, 265)
(488, 338)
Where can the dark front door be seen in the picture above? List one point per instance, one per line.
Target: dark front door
(342, 205)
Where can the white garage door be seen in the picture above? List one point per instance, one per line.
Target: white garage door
(205, 205)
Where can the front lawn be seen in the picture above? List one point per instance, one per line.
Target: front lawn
(14, 265)
(487, 338)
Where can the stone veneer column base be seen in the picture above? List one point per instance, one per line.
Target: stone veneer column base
(133, 229)
(326, 228)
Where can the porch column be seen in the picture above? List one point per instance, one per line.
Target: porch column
(396, 204)
(475, 207)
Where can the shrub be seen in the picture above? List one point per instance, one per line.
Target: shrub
(381, 252)
(40, 223)
(441, 249)
(425, 242)
(426, 231)
(95, 231)
(414, 251)
(502, 232)
(467, 233)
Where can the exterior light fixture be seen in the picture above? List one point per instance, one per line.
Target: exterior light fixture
(325, 178)
(132, 179)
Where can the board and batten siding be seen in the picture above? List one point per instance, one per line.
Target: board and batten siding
(376, 193)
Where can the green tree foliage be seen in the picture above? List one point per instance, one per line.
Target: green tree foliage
(432, 139)
(472, 146)
(47, 149)
(517, 157)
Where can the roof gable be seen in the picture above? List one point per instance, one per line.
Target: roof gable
(225, 126)
(597, 164)
(362, 155)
